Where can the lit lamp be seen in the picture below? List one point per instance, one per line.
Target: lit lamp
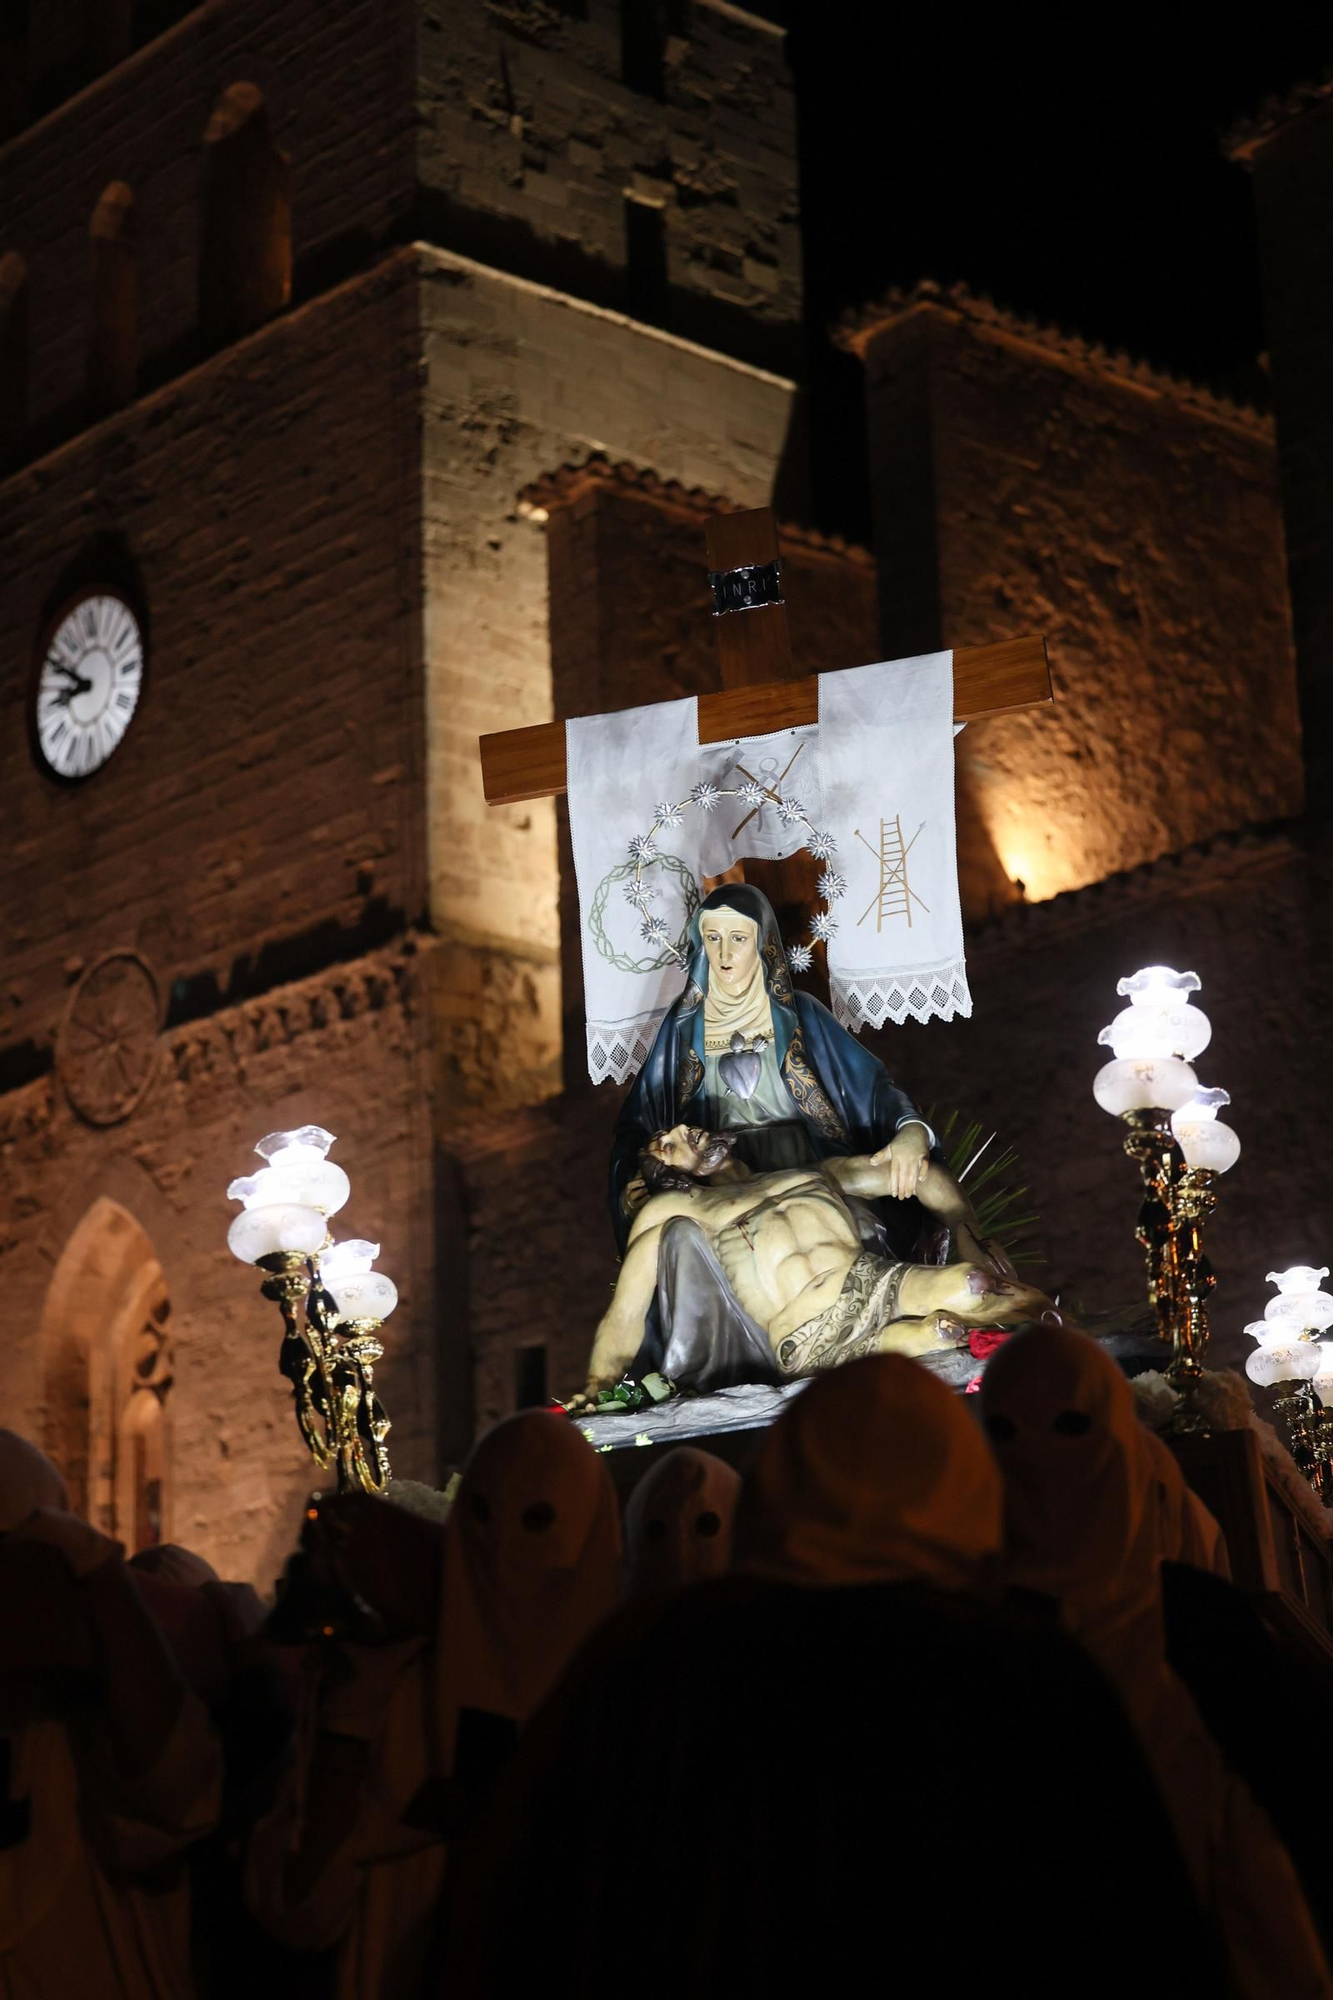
(333, 1303)
(1290, 1355)
(1152, 1042)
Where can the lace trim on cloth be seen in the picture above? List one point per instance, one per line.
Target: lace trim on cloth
(618, 1050)
(868, 1000)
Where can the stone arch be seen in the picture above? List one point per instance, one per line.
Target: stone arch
(245, 246)
(113, 338)
(14, 292)
(106, 1374)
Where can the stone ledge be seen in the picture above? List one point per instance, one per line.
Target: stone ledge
(568, 483)
(856, 330)
(1246, 137)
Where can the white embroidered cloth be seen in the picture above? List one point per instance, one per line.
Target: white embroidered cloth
(886, 770)
(620, 767)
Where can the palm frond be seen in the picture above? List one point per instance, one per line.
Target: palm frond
(990, 1180)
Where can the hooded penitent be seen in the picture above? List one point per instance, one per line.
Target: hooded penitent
(27, 1480)
(842, 1758)
(531, 1566)
(1081, 1519)
(678, 1522)
(875, 1474)
(818, 1093)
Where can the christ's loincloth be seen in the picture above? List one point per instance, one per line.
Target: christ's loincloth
(701, 1337)
(847, 1329)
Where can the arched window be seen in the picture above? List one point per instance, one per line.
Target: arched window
(106, 1374)
(113, 341)
(13, 357)
(245, 249)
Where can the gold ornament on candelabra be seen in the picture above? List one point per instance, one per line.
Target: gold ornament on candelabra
(1290, 1356)
(1179, 1145)
(333, 1303)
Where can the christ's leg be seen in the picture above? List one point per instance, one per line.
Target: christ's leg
(975, 1292)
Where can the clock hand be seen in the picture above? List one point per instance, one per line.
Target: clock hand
(82, 685)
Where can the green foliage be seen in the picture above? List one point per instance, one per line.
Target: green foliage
(989, 1176)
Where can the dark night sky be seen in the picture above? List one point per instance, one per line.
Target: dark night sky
(1064, 160)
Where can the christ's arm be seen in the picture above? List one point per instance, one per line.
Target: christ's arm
(873, 1176)
(620, 1334)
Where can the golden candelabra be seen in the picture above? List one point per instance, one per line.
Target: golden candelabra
(1180, 1147)
(330, 1364)
(1289, 1357)
(1309, 1428)
(1177, 1199)
(333, 1303)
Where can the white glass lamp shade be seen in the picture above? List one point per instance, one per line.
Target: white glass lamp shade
(1324, 1379)
(262, 1230)
(1201, 1137)
(361, 1294)
(1300, 1278)
(1146, 1083)
(1297, 1362)
(297, 1171)
(1271, 1333)
(1301, 1306)
(341, 1258)
(1176, 1029)
(1158, 986)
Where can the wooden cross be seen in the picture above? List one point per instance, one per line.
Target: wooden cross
(762, 692)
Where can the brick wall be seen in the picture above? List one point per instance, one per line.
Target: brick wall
(537, 123)
(1134, 523)
(337, 86)
(269, 786)
(262, 819)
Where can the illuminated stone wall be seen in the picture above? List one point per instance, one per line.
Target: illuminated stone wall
(643, 163)
(519, 380)
(1028, 483)
(261, 824)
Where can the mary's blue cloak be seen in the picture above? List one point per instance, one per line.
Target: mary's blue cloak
(842, 1093)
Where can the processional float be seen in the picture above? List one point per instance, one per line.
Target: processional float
(333, 1303)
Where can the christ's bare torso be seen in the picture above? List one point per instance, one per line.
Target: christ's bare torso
(785, 1243)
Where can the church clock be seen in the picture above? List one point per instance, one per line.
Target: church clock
(88, 683)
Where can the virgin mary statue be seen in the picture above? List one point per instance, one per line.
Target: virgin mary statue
(741, 1051)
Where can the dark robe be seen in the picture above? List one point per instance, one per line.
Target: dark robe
(760, 1790)
(842, 1097)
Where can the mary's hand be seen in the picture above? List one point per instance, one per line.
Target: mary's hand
(905, 1159)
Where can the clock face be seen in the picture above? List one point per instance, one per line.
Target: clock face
(89, 684)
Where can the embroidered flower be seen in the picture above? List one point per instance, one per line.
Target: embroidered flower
(641, 848)
(822, 927)
(706, 796)
(790, 811)
(800, 957)
(821, 845)
(640, 893)
(654, 931)
(753, 792)
(832, 885)
(666, 814)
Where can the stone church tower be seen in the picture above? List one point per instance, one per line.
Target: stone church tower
(381, 365)
(295, 304)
